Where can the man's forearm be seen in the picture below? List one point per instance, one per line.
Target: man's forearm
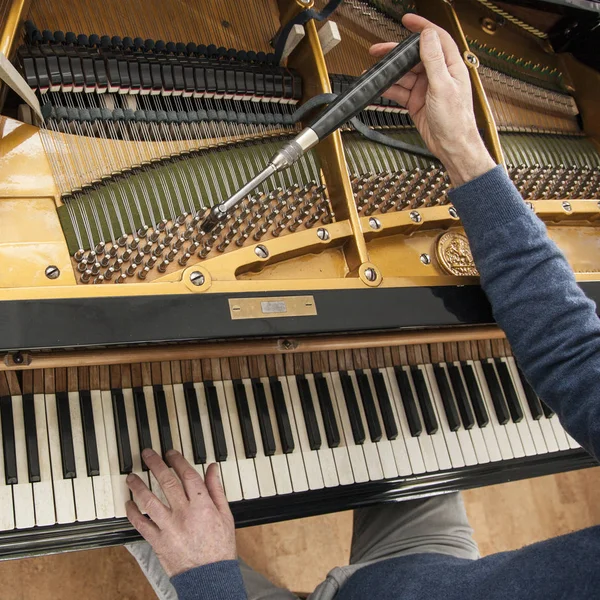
(552, 327)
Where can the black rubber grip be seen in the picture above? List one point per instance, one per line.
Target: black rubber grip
(369, 86)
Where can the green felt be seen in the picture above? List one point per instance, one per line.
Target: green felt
(363, 155)
(169, 189)
(553, 150)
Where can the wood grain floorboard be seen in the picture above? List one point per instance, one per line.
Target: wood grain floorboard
(298, 554)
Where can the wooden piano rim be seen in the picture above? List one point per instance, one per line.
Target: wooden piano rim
(111, 356)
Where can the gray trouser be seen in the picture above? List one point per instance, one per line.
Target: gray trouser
(437, 524)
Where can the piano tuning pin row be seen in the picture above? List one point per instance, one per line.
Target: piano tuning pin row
(175, 242)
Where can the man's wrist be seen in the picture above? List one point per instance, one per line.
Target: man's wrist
(468, 161)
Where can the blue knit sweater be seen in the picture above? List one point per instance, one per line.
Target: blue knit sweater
(555, 335)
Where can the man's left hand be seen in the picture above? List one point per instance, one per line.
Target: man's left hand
(196, 528)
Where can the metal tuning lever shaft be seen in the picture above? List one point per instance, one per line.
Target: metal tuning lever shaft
(366, 88)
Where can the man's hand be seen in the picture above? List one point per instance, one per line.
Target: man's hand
(437, 95)
(197, 528)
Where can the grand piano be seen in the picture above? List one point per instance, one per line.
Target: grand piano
(328, 345)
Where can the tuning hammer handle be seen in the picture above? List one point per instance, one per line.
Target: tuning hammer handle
(368, 86)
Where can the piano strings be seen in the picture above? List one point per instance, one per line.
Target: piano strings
(144, 135)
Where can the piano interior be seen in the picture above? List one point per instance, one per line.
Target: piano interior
(328, 344)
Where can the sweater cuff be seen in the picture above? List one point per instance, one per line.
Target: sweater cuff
(218, 580)
(488, 201)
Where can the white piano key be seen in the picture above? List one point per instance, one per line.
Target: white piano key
(23, 490)
(83, 488)
(172, 413)
(427, 450)
(310, 457)
(328, 464)
(43, 493)
(475, 432)
(463, 436)
(372, 456)
(559, 433)
(245, 466)
(103, 494)
(134, 442)
(398, 445)
(119, 487)
(512, 432)
(386, 454)
(534, 427)
(155, 439)
(573, 443)
(7, 516)
(489, 435)
(341, 454)
(452, 443)
(295, 459)
(184, 427)
(279, 461)
(438, 439)
(229, 470)
(64, 502)
(355, 451)
(413, 449)
(504, 444)
(262, 463)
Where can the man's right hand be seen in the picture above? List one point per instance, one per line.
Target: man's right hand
(437, 95)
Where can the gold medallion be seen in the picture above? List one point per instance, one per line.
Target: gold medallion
(454, 255)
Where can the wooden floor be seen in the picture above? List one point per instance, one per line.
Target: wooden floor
(298, 554)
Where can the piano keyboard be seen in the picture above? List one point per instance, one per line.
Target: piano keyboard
(275, 424)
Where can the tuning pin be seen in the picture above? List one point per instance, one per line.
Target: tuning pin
(121, 278)
(86, 276)
(99, 249)
(131, 269)
(99, 279)
(122, 241)
(184, 259)
(144, 272)
(81, 267)
(95, 268)
(179, 242)
(163, 266)
(142, 232)
(78, 256)
(104, 262)
(109, 273)
(134, 243)
(161, 225)
(91, 258)
(113, 251)
(153, 236)
(126, 255)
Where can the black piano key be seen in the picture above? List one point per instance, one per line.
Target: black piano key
(496, 393)
(366, 394)
(462, 399)
(264, 419)
(141, 421)
(241, 401)
(216, 421)
(122, 432)
(162, 417)
(548, 412)
(281, 414)
(385, 406)
(89, 433)
(31, 441)
(535, 406)
(408, 401)
(427, 410)
(358, 429)
(8, 440)
(514, 406)
(196, 433)
(450, 407)
(481, 413)
(308, 410)
(332, 432)
(66, 435)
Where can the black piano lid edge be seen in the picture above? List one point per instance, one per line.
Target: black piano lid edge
(112, 532)
(129, 320)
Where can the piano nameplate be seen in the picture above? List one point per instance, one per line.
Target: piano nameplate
(260, 308)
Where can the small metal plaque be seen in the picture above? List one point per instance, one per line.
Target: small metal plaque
(262, 308)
